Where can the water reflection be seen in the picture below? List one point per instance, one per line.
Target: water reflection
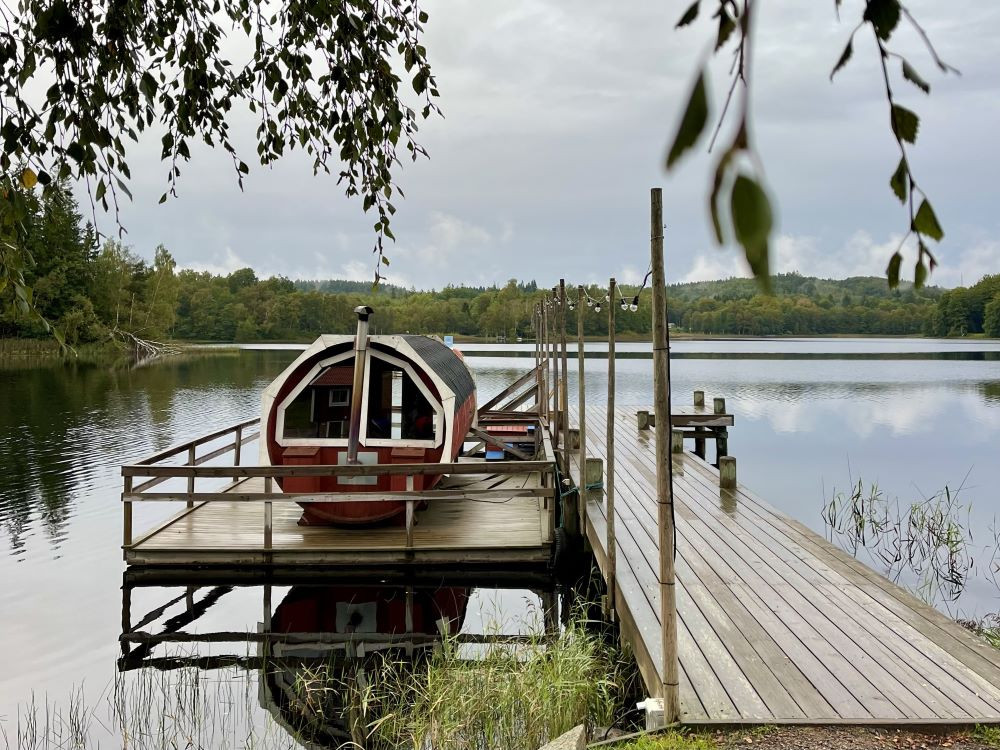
(316, 653)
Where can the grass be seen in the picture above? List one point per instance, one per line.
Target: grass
(987, 735)
(678, 739)
(451, 697)
(506, 698)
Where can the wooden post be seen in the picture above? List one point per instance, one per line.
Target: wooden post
(564, 385)
(268, 487)
(581, 390)
(410, 508)
(727, 472)
(642, 419)
(191, 460)
(699, 442)
(609, 481)
(676, 441)
(664, 465)
(127, 517)
(238, 448)
(721, 434)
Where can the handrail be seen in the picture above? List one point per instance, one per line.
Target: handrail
(335, 497)
(181, 447)
(335, 470)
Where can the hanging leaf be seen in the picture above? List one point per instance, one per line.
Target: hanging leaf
(726, 27)
(911, 75)
(752, 223)
(898, 182)
(919, 274)
(844, 57)
(28, 178)
(689, 15)
(904, 123)
(692, 123)
(883, 15)
(892, 270)
(926, 223)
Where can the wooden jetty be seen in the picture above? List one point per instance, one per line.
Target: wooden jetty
(775, 624)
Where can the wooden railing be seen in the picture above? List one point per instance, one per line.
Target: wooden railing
(154, 472)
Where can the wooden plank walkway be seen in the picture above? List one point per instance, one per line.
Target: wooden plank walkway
(455, 531)
(776, 625)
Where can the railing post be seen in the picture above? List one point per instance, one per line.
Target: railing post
(268, 517)
(238, 449)
(581, 389)
(664, 464)
(127, 516)
(609, 481)
(192, 457)
(564, 385)
(699, 442)
(409, 513)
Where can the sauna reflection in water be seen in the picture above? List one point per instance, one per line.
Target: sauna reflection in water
(321, 646)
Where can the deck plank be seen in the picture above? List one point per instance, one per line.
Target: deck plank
(789, 627)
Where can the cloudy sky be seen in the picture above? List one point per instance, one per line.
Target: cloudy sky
(557, 117)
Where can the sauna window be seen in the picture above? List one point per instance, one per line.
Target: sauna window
(322, 409)
(397, 410)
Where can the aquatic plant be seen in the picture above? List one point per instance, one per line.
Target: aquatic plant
(508, 697)
(928, 541)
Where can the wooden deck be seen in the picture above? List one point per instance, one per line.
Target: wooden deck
(483, 529)
(775, 624)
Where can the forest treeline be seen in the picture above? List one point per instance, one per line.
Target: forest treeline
(93, 291)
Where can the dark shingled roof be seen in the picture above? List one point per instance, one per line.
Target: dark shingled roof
(445, 363)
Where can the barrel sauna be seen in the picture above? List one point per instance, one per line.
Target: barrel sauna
(366, 399)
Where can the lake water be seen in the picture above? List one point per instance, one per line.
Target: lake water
(804, 427)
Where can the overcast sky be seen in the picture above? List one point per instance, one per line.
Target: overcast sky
(557, 117)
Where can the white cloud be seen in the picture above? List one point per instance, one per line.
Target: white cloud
(715, 264)
(223, 266)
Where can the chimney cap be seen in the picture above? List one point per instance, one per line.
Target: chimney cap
(363, 312)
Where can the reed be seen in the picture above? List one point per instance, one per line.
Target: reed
(507, 697)
(926, 543)
(451, 696)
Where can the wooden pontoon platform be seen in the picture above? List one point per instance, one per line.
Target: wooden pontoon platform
(775, 624)
(463, 528)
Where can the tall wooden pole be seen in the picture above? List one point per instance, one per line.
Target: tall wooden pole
(664, 464)
(550, 373)
(564, 385)
(609, 480)
(581, 390)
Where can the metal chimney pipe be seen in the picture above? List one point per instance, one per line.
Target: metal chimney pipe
(360, 347)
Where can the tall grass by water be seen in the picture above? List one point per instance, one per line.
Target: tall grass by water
(454, 696)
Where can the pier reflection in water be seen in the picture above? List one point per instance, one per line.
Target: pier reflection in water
(317, 648)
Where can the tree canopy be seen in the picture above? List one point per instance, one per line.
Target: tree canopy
(316, 76)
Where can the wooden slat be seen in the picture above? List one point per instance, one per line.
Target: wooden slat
(789, 628)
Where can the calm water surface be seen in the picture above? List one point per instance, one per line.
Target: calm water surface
(803, 427)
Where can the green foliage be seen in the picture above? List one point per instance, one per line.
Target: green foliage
(991, 317)
(962, 310)
(508, 698)
(675, 739)
(800, 305)
(738, 197)
(323, 77)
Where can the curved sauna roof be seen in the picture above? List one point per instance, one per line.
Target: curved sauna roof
(439, 371)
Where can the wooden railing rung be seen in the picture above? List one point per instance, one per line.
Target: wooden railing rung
(335, 470)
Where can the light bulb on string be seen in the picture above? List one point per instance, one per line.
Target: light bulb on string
(633, 307)
(624, 305)
(597, 308)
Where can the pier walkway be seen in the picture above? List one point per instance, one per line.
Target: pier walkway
(775, 624)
